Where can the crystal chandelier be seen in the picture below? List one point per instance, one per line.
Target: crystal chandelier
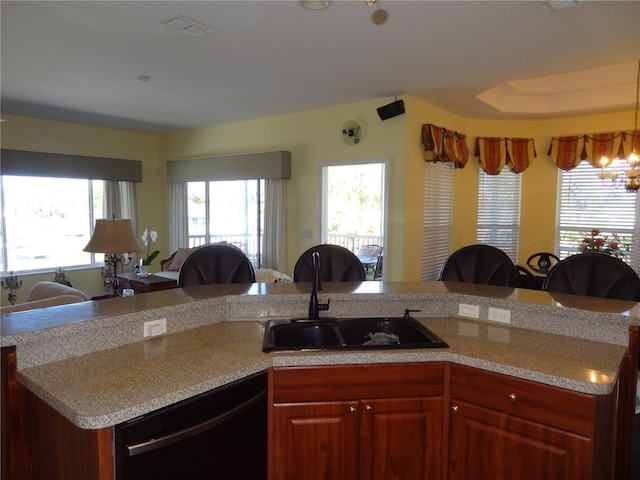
(630, 177)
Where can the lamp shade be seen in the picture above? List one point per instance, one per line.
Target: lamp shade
(113, 236)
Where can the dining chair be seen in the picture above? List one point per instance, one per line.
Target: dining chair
(594, 275)
(337, 264)
(216, 263)
(483, 264)
(368, 256)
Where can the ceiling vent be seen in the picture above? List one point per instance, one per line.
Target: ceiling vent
(188, 26)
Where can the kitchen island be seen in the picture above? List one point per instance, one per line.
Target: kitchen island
(91, 364)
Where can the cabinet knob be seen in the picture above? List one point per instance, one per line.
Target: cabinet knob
(512, 397)
(455, 408)
(353, 409)
(368, 408)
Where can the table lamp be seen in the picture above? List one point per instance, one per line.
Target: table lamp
(113, 238)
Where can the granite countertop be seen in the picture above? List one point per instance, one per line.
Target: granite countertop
(110, 386)
(91, 362)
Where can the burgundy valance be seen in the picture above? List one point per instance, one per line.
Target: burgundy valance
(568, 152)
(495, 152)
(443, 145)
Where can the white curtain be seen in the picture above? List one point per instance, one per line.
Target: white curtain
(178, 221)
(120, 202)
(275, 225)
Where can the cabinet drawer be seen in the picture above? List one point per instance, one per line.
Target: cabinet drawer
(346, 382)
(545, 404)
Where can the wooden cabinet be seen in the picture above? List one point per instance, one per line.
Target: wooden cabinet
(316, 440)
(368, 422)
(400, 438)
(502, 428)
(14, 436)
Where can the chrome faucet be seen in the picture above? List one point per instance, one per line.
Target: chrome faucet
(314, 306)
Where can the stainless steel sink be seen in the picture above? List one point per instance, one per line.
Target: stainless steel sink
(349, 334)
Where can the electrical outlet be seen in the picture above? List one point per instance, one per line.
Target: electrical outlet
(466, 310)
(499, 315)
(155, 327)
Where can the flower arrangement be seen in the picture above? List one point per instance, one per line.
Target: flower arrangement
(609, 244)
(149, 237)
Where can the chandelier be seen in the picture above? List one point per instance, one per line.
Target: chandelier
(629, 177)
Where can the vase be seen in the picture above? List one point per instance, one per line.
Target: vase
(144, 271)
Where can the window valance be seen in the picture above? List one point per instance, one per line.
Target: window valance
(442, 145)
(250, 166)
(568, 152)
(56, 165)
(495, 152)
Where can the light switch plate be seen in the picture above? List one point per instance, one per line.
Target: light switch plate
(466, 310)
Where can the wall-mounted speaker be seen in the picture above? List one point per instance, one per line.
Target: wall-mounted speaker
(392, 110)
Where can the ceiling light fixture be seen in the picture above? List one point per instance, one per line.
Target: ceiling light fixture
(187, 25)
(630, 177)
(315, 4)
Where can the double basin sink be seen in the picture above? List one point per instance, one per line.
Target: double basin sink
(370, 333)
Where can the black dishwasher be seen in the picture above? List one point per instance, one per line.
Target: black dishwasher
(220, 434)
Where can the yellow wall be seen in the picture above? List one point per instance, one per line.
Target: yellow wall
(313, 137)
(20, 133)
(539, 181)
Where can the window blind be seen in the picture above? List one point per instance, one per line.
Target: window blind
(499, 211)
(436, 239)
(586, 202)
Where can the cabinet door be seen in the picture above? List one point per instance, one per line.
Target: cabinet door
(487, 444)
(401, 439)
(316, 441)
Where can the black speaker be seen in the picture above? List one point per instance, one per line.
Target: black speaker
(392, 110)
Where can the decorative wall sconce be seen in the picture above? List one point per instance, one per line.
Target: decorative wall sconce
(12, 283)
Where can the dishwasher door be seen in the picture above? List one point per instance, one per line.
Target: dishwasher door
(221, 434)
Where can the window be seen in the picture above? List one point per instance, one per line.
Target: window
(587, 203)
(353, 204)
(46, 222)
(499, 211)
(227, 211)
(436, 241)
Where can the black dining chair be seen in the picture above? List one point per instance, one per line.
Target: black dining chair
(216, 263)
(337, 264)
(482, 264)
(594, 275)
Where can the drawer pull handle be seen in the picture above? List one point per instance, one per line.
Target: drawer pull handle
(353, 409)
(512, 397)
(369, 408)
(455, 408)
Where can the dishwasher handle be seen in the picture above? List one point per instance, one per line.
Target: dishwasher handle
(156, 443)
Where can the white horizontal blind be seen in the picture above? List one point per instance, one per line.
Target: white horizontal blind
(436, 240)
(499, 211)
(586, 202)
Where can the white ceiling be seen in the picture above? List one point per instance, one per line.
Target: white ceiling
(80, 61)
